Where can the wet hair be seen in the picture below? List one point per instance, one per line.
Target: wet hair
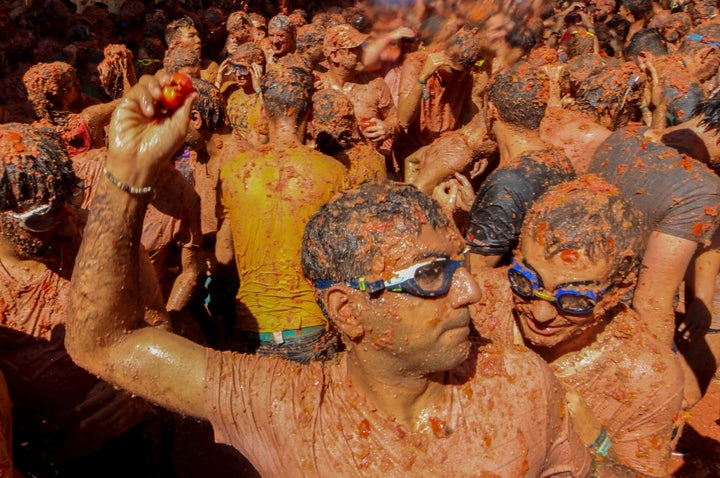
(346, 235)
(590, 215)
(282, 22)
(210, 104)
(464, 48)
(522, 36)
(286, 91)
(520, 95)
(680, 105)
(237, 20)
(180, 57)
(619, 25)
(580, 42)
(638, 8)
(250, 52)
(647, 39)
(709, 111)
(172, 30)
(308, 37)
(36, 166)
(45, 84)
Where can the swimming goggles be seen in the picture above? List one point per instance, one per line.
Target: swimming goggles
(47, 216)
(432, 278)
(572, 297)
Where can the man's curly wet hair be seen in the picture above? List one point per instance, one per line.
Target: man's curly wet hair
(520, 95)
(590, 215)
(35, 167)
(345, 235)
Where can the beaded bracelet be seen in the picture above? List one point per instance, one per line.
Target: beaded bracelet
(124, 187)
(424, 89)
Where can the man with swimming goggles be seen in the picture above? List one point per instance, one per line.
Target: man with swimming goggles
(571, 280)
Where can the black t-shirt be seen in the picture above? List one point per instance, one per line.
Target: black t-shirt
(505, 196)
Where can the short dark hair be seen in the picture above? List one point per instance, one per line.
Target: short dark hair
(591, 215)
(344, 237)
(647, 39)
(210, 104)
(520, 95)
(36, 166)
(286, 91)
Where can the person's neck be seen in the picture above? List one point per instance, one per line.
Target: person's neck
(396, 394)
(512, 142)
(286, 132)
(339, 76)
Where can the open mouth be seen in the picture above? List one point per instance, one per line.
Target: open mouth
(541, 329)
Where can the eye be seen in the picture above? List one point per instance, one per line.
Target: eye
(430, 276)
(576, 303)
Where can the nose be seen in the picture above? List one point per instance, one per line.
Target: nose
(542, 310)
(464, 290)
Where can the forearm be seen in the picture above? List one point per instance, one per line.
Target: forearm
(184, 284)
(409, 106)
(104, 299)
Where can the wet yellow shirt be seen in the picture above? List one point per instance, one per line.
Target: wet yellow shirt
(268, 195)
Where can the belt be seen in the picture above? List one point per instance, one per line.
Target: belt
(282, 336)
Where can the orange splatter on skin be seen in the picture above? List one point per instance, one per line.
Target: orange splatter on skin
(569, 256)
(19, 147)
(439, 427)
(364, 428)
(538, 234)
(711, 211)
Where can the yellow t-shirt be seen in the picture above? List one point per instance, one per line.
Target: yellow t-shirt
(268, 195)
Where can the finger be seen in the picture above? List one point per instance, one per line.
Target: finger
(100, 396)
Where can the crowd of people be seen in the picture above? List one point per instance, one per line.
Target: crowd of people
(390, 238)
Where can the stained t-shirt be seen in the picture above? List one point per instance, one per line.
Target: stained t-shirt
(677, 194)
(268, 195)
(502, 414)
(632, 383)
(494, 222)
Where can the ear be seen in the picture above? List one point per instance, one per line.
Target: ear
(195, 119)
(344, 305)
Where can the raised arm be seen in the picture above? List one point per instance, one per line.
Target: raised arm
(106, 325)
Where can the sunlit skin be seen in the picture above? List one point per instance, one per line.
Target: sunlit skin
(189, 38)
(421, 335)
(281, 41)
(545, 327)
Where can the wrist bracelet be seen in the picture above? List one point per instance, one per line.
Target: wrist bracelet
(602, 443)
(644, 109)
(124, 187)
(424, 89)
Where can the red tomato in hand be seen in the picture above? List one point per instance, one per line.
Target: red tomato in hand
(174, 93)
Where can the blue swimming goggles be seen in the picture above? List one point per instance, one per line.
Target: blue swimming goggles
(572, 297)
(432, 278)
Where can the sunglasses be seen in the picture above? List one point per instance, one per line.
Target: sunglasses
(431, 278)
(47, 216)
(147, 61)
(573, 298)
(241, 70)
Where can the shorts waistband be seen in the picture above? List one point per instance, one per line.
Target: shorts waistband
(283, 336)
